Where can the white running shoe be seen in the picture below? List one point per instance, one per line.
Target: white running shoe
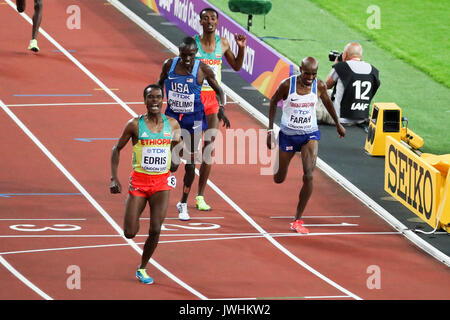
(182, 211)
(33, 45)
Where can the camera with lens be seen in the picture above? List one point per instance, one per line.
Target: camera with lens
(335, 54)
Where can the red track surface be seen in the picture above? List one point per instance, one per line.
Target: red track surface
(243, 264)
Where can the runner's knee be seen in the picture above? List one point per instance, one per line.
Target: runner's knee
(213, 121)
(129, 234)
(308, 177)
(208, 151)
(155, 230)
(279, 178)
(189, 175)
(20, 6)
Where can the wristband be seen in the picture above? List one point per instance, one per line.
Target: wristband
(269, 130)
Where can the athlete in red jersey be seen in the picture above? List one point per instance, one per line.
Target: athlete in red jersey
(153, 135)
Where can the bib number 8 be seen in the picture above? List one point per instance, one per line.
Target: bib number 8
(171, 181)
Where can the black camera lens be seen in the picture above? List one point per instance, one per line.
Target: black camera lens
(334, 54)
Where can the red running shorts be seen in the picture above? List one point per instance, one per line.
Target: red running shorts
(145, 185)
(210, 102)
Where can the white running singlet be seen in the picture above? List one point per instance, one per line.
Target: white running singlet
(299, 111)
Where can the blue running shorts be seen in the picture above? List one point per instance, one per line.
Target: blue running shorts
(294, 143)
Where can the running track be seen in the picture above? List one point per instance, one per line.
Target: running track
(58, 123)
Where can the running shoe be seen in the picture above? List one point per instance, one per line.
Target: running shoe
(298, 227)
(33, 45)
(143, 277)
(182, 211)
(201, 204)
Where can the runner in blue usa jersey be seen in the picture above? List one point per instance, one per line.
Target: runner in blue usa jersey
(183, 77)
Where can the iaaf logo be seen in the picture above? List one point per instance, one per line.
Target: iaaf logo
(359, 106)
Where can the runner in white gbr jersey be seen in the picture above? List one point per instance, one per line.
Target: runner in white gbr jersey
(299, 114)
(298, 129)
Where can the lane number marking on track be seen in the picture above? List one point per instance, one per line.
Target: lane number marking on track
(190, 226)
(34, 228)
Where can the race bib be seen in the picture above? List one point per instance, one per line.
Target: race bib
(155, 159)
(172, 181)
(299, 119)
(181, 102)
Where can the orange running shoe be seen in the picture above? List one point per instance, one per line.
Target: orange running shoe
(297, 226)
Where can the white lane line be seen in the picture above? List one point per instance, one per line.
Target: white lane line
(62, 236)
(27, 282)
(293, 234)
(342, 224)
(326, 297)
(229, 237)
(16, 219)
(192, 218)
(67, 104)
(66, 248)
(285, 298)
(155, 34)
(67, 173)
(315, 217)
(278, 235)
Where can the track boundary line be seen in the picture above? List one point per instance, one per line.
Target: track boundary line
(50, 219)
(68, 104)
(27, 282)
(311, 234)
(323, 166)
(229, 237)
(285, 298)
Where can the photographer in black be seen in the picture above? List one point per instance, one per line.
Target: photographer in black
(354, 84)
